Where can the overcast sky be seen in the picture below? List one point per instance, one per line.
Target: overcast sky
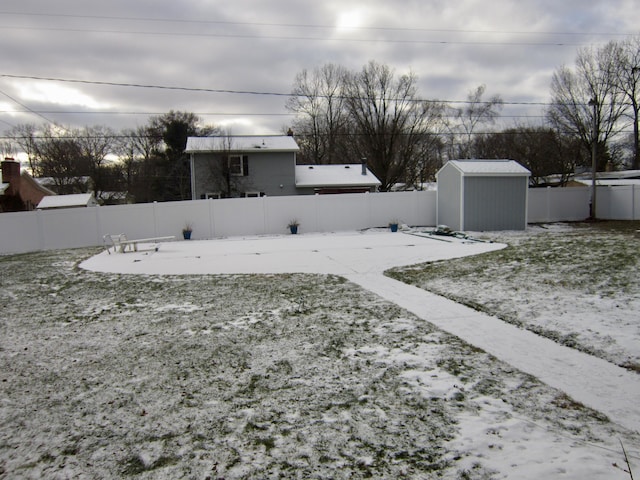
(511, 46)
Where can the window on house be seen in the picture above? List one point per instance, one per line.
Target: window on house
(215, 195)
(252, 194)
(239, 165)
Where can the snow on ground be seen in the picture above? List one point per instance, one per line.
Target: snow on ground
(370, 251)
(578, 285)
(159, 375)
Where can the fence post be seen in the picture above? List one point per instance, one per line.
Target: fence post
(265, 215)
(155, 219)
(41, 239)
(210, 206)
(98, 224)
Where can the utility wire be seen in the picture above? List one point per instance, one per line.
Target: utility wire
(296, 38)
(235, 92)
(25, 107)
(306, 25)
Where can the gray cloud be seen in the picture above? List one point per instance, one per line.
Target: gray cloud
(512, 47)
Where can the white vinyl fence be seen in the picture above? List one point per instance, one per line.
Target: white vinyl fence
(82, 227)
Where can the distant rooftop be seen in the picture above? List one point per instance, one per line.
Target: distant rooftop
(66, 201)
(273, 143)
(334, 176)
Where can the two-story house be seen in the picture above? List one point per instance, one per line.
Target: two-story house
(252, 166)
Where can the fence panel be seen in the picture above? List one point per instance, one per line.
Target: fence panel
(618, 203)
(558, 204)
(68, 228)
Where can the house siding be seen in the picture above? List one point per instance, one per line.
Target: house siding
(270, 173)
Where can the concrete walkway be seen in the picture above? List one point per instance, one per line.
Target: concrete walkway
(596, 383)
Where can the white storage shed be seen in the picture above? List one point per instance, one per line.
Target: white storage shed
(483, 195)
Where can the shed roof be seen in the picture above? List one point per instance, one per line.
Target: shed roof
(349, 175)
(269, 143)
(489, 167)
(64, 201)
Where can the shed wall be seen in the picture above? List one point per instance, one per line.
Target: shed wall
(449, 198)
(494, 203)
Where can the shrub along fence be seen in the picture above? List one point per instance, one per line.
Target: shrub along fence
(82, 227)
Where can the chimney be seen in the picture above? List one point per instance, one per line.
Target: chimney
(11, 175)
(364, 165)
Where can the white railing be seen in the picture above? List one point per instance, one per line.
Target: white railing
(82, 227)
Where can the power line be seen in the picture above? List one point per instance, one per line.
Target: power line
(25, 107)
(105, 112)
(307, 25)
(234, 92)
(297, 38)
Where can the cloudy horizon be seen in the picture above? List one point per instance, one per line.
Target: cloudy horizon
(214, 54)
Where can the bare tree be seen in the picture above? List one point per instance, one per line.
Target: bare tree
(628, 81)
(390, 123)
(24, 138)
(541, 149)
(476, 112)
(139, 151)
(7, 149)
(576, 92)
(173, 128)
(59, 157)
(318, 99)
(95, 144)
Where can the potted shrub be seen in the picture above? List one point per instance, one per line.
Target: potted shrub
(293, 226)
(393, 225)
(186, 231)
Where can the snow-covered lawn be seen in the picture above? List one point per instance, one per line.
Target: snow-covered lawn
(577, 284)
(109, 375)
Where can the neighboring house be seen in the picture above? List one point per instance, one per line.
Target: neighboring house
(67, 201)
(19, 191)
(252, 166)
(610, 179)
(248, 166)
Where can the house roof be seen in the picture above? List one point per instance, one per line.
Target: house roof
(36, 184)
(489, 167)
(64, 201)
(334, 176)
(247, 143)
(613, 182)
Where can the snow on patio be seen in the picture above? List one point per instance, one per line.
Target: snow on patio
(370, 251)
